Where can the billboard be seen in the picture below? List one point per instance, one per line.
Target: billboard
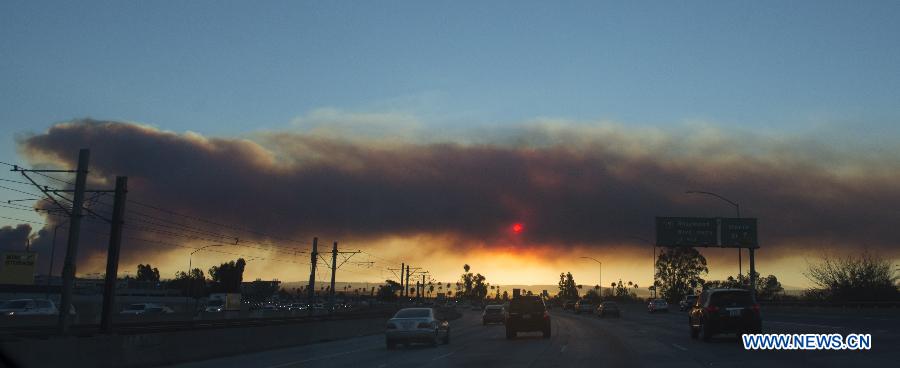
(17, 268)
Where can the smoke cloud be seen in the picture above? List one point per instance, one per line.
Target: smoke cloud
(585, 185)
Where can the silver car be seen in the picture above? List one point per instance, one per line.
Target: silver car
(411, 325)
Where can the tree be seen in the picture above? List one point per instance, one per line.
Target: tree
(505, 295)
(479, 288)
(147, 274)
(466, 280)
(854, 278)
(227, 277)
(567, 287)
(768, 287)
(678, 272)
(593, 295)
(192, 284)
(388, 291)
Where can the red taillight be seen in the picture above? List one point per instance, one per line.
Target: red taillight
(424, 325)
(756, 308)
(546, 315)
(712, 309)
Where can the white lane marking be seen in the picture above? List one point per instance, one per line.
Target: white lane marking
(442, 356)
(679, 347)
(563, 350)
(318, 358)
(805, 324)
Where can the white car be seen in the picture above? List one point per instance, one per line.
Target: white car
(30, 307)
(658, 305)
(146, 309)
(411, 325)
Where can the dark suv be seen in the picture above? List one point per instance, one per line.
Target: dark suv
(527, 313)
(724, 311)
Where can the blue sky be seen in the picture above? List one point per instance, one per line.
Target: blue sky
(225, 68)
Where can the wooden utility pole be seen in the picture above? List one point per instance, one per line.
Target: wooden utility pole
(311, 290)
(68, 273)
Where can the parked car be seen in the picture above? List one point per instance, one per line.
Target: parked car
(31, 307)
(658, 305)
(584, 306)
(608, 309)
(146, 309)
(493, 314)
(527, 313)
(724, 311)
(411, 325)
(687, 302)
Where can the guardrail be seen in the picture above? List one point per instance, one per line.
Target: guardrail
(16, 332)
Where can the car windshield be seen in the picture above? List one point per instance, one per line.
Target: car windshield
(216, 303)
(136, 307)
(527, 305)
(14, 304)
(413, 313)
(731, 298)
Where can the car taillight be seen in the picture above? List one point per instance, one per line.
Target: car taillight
(546, 315)
(712, 309)
(391, 326)
(756, 308)
(424, 325)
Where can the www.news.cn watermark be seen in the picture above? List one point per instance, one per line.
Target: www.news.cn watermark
(807, 341)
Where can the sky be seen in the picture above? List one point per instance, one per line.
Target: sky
(443, 122)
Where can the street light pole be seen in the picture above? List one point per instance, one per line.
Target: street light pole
(190, 269)
(601, 273)
(737, 208)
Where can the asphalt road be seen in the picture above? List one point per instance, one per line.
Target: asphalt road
(638, 339)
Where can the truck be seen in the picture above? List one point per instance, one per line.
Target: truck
(223, 302)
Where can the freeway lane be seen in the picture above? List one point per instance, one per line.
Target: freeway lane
(638, 339)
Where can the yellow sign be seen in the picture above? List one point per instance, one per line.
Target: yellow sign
(17, 268)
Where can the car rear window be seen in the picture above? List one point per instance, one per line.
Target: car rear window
(731, 299)
(493, 310)
(526, 305)
(412, 313)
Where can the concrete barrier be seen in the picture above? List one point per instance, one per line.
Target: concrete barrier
(147, 350)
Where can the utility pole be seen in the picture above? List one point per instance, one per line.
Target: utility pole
(406, 288)
(402, 286)
(68, 273)
(334, 253)
(423, 285)
(311, 290)
(112, 258)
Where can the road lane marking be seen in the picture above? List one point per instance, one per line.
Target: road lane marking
(319, 358)
(679, 347)
(442, 356)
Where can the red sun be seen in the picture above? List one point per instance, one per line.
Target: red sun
(517, 228)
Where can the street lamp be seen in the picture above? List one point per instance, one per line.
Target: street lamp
(190, 269)
(601, 271)
(737, 208)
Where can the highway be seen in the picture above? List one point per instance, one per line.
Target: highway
(638, 339)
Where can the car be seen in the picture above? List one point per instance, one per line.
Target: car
(608, 309)
(146, 309)
(724, 311)
(584, 306)
(527, 314)
(658, 305)
(569, 305)
(412, 325)
(493, 314)
(687, 302)
(31, 307)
